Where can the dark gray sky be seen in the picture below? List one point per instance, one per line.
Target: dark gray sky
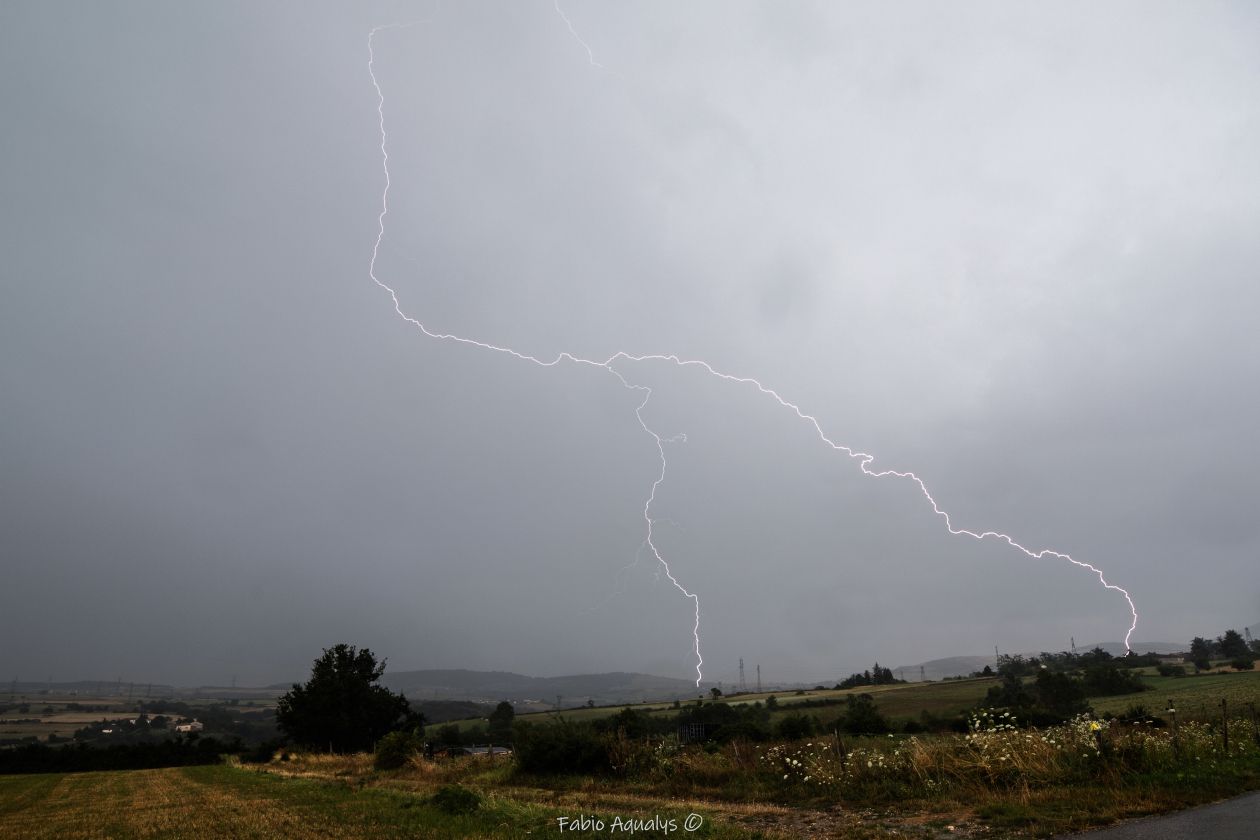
(1011, 247)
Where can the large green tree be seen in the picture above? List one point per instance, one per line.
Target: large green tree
(341, 707)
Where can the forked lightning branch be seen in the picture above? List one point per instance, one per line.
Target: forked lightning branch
(610, 364)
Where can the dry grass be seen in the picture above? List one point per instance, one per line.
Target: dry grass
(994, 782)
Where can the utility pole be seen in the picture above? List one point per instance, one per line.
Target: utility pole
(743, 686)
(758, 679)
(131, 687)
(149, 691)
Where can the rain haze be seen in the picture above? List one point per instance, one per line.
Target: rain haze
(1009, 247)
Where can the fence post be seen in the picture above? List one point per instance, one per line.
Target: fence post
(1225, 724)
(840, 748)
(1255, 733)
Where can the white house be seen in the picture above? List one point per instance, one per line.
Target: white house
(195, 726)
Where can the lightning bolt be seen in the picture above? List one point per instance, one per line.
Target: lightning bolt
(589, 54)
(864, 459)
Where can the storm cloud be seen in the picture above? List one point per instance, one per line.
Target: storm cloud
(1011, 248)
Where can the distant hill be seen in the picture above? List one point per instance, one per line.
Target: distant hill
(440, 711)
(1117, 648)
(576, 690)
(936, 669)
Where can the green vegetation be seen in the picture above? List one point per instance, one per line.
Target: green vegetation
(765, 771)
(396, 749)
(342, 706)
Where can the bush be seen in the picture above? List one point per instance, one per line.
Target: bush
(1202, 665)
(745, 730)
(1104, 681)
(1009, 693)
(795, 727)
(456, 799)
(1242, 663)
(176, 752)
(396, 749)
(264, 752)
(1062, 694)
(560, 748)
(1171, 670)
(863, 717)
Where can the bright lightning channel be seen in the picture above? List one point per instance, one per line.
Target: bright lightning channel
(864, 460)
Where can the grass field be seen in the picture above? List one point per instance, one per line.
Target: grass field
(345, 800)
(1001, 784)
(1195, 696)
(321, 796)
(897, 701)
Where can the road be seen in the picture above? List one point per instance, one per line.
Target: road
(1233, 819)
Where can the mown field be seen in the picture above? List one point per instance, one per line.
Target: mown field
(343, 798)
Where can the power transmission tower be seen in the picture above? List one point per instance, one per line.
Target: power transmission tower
(922, 674)
(1247, 633)
(559, 697)
(148, 691)
(758, 679)
(1073, 645)
(743, 686)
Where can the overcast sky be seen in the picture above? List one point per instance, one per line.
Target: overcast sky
(1012, 247)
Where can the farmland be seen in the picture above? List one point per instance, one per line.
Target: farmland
(996, 783)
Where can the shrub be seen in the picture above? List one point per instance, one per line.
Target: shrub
(264, 752)
(794, 727)
(1104, 681)
(1009, 693)
(1062, 694)
(1171, 670)
(1202, 664)
(1242, 663)
(863, 718)
(396, 749)
(745, 730)
(564, 747)
(456, 799)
